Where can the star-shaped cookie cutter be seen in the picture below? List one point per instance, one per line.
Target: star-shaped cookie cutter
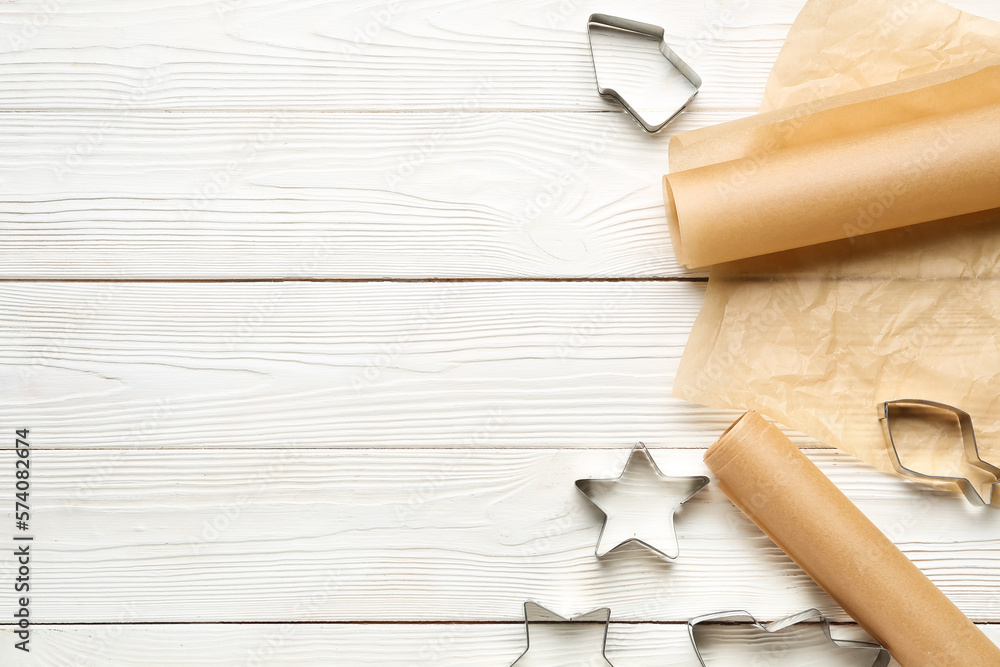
(581, 632)
(890, 408)
(812, 620)
(628, 504)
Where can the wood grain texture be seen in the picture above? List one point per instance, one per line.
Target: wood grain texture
(337, 55)
(369, 473)
(511, 364)
(324, 55)
(291, 645)
(431, 535)
(464, 192)
(294, 195)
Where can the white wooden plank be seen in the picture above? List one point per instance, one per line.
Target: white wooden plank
(309, 54)
(409, 535)
(358, 55)
(430, 535)
(293, 364)
(206, 196)
(277, 195)
(433, 645)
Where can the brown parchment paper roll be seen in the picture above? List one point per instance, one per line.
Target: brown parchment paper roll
(818, 336)
(890, 156)
(798, 507)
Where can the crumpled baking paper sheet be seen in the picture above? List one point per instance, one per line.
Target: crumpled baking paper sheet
(816, 338)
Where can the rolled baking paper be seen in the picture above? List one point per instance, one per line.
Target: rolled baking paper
(805, 514)
(923, 149)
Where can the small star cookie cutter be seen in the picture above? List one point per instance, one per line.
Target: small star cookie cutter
(627, 502)
(810, 620)
(584, 634)
(648, 30)
(891, 409)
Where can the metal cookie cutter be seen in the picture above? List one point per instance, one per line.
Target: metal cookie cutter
(890, 408)
(628, 25)
(554, 640)
(639, 505)
(812, 621)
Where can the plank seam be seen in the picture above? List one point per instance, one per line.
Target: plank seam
(625, 279)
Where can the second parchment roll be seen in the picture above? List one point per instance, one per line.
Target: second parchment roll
(805, 514)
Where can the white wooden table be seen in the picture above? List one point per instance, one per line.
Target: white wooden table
(317, 309)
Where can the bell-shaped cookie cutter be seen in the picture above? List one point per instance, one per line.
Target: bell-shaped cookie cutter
(890, 408)
(655, 31)
(811, 617)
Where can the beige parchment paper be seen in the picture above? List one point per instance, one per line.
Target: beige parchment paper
(816, 337)
(780, 489)
(922, 149)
